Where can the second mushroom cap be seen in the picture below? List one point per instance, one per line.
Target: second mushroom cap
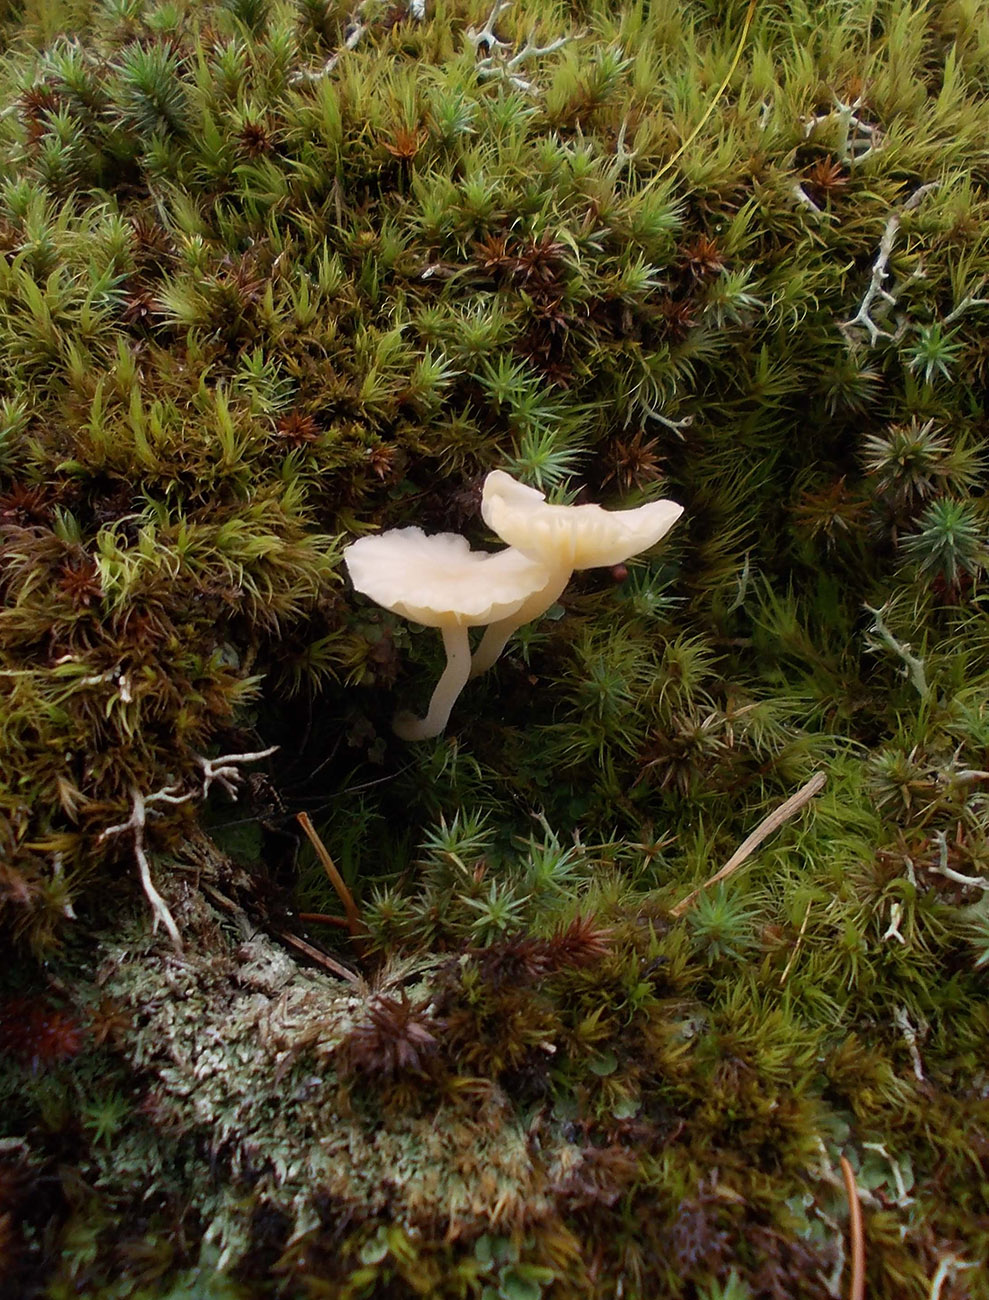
(580, 537)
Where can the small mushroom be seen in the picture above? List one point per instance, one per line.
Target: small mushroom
(563, 538)
(438, 581)
(581, 537)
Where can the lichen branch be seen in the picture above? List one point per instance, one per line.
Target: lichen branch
(877, 298)
(966, 304)
(496, 63)
(856, 138)
(948, 1266)
(903, 1023)
(136, 823)
(913, 668)
(352, 38)
(478, 36)
(949, 873)
(803, 198)
(222, 770)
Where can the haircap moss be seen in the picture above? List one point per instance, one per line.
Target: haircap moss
(273, 275)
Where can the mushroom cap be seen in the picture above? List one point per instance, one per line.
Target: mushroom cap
(437, 580)
(580, 537)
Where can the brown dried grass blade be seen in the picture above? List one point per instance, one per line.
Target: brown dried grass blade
(748, 846)
(354, 924)
(856, 1290)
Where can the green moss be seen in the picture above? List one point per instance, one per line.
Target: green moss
(273, 275)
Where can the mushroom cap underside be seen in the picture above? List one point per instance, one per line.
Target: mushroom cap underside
(581, 537)
(436, 579)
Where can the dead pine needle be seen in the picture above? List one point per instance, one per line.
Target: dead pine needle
(856, 1291)
(320, 918)
(318, 956)
(748, 846)
(354, 924)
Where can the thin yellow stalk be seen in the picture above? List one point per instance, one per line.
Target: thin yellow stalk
(671, 162)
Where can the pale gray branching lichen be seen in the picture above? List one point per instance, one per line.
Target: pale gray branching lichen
(943, 869)
(878, 300)
(855, 138)
(855, 141)
(804, 199)
(880, 637)
(497, 62)
(223, 770)
(354, 34)
(135, 824)
(910, 1036)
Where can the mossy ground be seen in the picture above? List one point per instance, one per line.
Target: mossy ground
(275, 274)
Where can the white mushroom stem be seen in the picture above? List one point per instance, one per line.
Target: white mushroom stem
(497, 635)
(406, 725)
(460, 667)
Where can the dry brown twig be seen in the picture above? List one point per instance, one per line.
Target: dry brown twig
(354, 923)
(317, 955)
(748, 846)
(856, 1290)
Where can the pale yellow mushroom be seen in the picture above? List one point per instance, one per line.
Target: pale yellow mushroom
(578, 537)
(438, 581)
(563, 538)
